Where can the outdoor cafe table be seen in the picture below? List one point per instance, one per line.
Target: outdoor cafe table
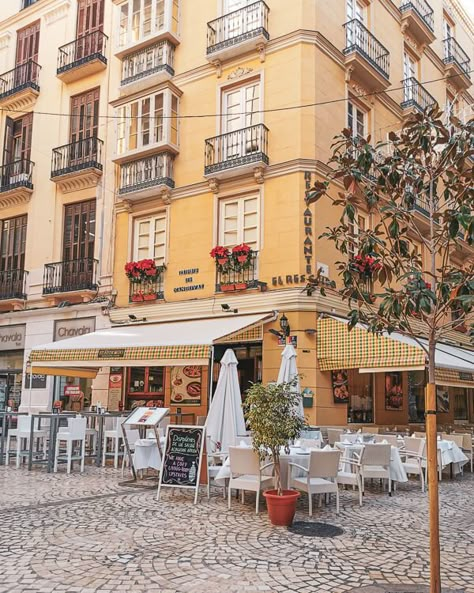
(97, 420)
(5, 424)
(147, 454)
(450, 453)
(54, 424)
(397, 471)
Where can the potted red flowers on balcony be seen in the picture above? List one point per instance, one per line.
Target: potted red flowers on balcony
(221, 255)
(366, 265)
(143, 275)
(242, 255)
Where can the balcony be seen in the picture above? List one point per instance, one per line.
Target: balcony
(365, 57)
(239, 31)
(76, 275)
(26, 3)
(12, 288)
(147, 290)
(155, 63)
(147, 177)
(237, 153)
(415, 96)
(77, 165)
(457, 63)
(19, 87)
(16, 184)
(417, 16)
(237, 277)
(83, 57)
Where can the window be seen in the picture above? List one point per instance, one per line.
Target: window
(355, 10)
(448, 28)
(239, 222)
(241, 107)
(13, 243)
(360, 407)
(79, 231)
(84, 115)
(17, 145)
(90, 16)
(27, 44)
(150, 239)
(147, 61)
(356, 120)
(356, 228)
(460, 402)
(140, 20)
(142, 124)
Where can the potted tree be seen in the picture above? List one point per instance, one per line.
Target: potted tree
(272, 414)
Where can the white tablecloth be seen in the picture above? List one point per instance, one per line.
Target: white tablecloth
(451, 453)
(397, 470)
(146, 454)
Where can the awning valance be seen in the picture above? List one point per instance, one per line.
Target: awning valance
(158, 344)
(339, 348)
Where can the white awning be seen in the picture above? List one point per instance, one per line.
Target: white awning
(178, 343)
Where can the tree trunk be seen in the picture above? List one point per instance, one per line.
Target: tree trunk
(276, 465)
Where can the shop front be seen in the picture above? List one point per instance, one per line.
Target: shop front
(12, 345)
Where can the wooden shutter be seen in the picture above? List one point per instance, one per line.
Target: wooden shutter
(85, 115)
(27, 46)
(90, 16)
(79, 231)
(17, 145)
(13, 244)
(8, 142)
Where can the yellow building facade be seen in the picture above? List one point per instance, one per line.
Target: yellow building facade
(204, 123)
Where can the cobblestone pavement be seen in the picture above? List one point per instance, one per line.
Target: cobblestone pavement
(88, 534)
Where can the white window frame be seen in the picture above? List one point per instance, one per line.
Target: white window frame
(356, 108)
(124, 124)
(240, 200)
(163, 215)
(125, 40)
(354, 229)
(226, 91)
(355, 10)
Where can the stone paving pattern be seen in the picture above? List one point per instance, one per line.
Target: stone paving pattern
(87, 534)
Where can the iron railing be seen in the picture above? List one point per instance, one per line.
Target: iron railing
(149, 290)
(415, 95)
(26, 3)
(422, 9)
(76, 156)
(22, 77)
(235, 149)
(147, 172)
(150, 60)
(16, 174)
(238, 26)
(13, 284)
(82, 50)
(454, 53)
(71, 275)
(233, 276)
(361, 40)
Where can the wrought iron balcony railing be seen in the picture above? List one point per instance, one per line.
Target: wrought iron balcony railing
(16, 174)
(76, 156)
(422, 9)
(26, 3)
(361, 40)
(69, 276)
(234, 276)
(22, 77)
(238, 26)
(13, 284)
(83, 49)
(147, 172)
(150, 60)
(415, 95)
(234, 149)
(454, 53)
(149, 290)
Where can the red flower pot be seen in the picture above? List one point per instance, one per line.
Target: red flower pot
(137, 298)
(242, 258)
(240, 286)
(281, 509)
(150, 297)
(227, 287)
(222, 260)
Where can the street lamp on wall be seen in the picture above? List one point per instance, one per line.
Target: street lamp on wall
(285, 326)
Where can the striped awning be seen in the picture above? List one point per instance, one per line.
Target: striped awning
(339, 348)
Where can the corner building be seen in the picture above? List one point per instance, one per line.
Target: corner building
(216, 117)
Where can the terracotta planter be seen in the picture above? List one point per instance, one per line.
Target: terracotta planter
(222, 260)
(150, 297)
(240, 286)
(281, 509)
(242, 259)
(227, 287)
(137, 298)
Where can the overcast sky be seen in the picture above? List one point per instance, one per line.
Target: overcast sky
(469, 5)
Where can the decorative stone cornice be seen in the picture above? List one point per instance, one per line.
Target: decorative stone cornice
(15, 197)
(5, 39)
(21, 101)
(239, 72)
(78, 181)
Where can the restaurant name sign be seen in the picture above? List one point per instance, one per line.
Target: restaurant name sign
(12, 337)
(110, 353)
(73, 328)
(189, 283)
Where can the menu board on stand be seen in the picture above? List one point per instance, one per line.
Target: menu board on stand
(182, 459)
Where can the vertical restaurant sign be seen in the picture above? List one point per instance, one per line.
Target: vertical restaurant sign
(115, 388)
(308, 231)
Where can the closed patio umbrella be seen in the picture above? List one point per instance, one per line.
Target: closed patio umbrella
(288, 371)
(225, 420)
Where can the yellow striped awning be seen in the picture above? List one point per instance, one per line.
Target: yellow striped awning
(339, 348)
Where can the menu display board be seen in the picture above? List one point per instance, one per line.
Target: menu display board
(182, 458)
(146, 416)
(186, 387)
(340, 386)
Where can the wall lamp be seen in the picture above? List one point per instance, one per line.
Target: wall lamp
(285, 326)
(310, 331)
(134, 318)
(226, 308)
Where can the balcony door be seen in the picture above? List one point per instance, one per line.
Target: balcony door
(241, 107)
(354, 11)
(240, 21)
(27, 46)
(409, 72)
(78, 244)
(90, 19)
(13, 244)
(84, 127)
(17, 149)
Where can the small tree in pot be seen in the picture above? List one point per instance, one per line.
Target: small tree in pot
(272, 414)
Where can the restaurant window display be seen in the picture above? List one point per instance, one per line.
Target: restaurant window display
(360, 406)
(459, 395)
(73, 393)
(145, 387)
(416, 396)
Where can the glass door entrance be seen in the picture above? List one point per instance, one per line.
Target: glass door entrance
(10, 391)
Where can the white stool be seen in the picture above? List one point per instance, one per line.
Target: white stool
(23, 433)
(75, 431)
(115, 435)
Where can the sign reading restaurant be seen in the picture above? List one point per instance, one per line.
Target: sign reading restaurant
(12, 337)
(73, 328)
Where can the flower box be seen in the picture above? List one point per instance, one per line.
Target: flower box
(222, 260)
(137, 298)
(150, 297)
(241, 286)
(242, 258)
(227, 287)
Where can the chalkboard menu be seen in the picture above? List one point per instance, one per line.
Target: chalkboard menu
(181, 466)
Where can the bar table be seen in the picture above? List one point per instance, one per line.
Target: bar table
(99, 421)
(55, 421)
(5, 419)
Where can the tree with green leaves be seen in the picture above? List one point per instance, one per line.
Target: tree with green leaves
(419, 191)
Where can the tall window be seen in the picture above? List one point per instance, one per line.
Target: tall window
(239, 222)
(355, 10)
(241, 107)
(90, 16)
(142, 19)
(356, 228)
(13, 243)
(27, 45)
(356, 120)
(84, 115)
(17, 145)
(142, 124)
(150, 238)
(79, 231)
(410, 71)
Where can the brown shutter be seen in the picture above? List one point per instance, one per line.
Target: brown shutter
(90, 16)
(13, 244)
(84, 112)
(79, 231)
(27, 46)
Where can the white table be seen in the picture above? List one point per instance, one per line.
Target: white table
(147, 454)
(451, 453)
(397, 471)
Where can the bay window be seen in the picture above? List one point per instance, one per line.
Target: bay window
(148, 122)
(140, 20)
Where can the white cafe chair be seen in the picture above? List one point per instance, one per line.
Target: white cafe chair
(349, 474)
(113, 433)
(75, 432)
(411, 457)
(375, 464)
(334, 435)
(246, 473)
(22, 433)
(468, 448)
(320, 478)
(133, 436)
(388, 438)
